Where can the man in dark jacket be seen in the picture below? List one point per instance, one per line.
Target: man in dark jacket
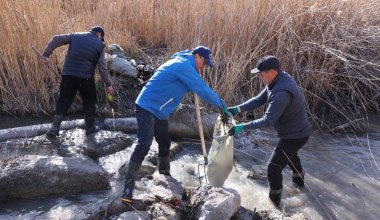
(86, 50)
(286, 111)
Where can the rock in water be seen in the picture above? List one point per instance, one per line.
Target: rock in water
(36, 176)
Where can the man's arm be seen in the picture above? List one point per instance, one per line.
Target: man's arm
(255, 102)
(56, 41)
(276, 107)
(102, 67)
(191, 78)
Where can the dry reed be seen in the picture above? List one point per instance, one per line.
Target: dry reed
(331, 47)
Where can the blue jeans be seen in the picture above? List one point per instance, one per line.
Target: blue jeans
(149, 125)
(284, 154)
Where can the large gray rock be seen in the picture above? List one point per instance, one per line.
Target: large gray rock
(183, 122)
(210, 203)
(68, 144)
(215, 203)
(163, 186)
(149, 192)
(164, 197)
(136, 215)
(117, 207)
(35, 176)
(104, 144)
(276, 215)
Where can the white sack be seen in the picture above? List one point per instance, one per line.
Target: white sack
(220, 156)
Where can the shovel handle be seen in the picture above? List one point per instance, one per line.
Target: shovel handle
(200, 128)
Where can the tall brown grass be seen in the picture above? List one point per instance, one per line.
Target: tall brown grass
(331, 47)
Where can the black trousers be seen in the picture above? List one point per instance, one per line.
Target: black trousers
(284, 154)
(69, 87)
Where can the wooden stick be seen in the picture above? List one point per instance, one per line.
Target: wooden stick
(200, 129)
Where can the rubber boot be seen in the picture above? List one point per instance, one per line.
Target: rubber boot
(298, 179)
(90, 125)
(54, 128)
(275, 196)
(163, 164)
(133, 170)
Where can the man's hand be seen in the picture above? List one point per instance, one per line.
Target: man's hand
(44, 60)
(109, 90)
(233, 110)
(236, 129)
(227, 113)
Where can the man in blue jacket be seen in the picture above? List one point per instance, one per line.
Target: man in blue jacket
(158, 99)
(286, 111)
(86, 51)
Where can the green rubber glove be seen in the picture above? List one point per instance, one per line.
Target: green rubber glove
(236, 129)
(228, 113)
(234, 110)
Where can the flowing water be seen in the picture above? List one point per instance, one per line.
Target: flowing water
(342, 179)
(342, 175)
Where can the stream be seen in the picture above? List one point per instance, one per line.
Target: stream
(342, 178)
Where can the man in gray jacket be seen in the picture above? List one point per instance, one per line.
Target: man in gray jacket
(286, 111)
(86, 51)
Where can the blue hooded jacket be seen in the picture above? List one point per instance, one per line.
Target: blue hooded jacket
(164, 91)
